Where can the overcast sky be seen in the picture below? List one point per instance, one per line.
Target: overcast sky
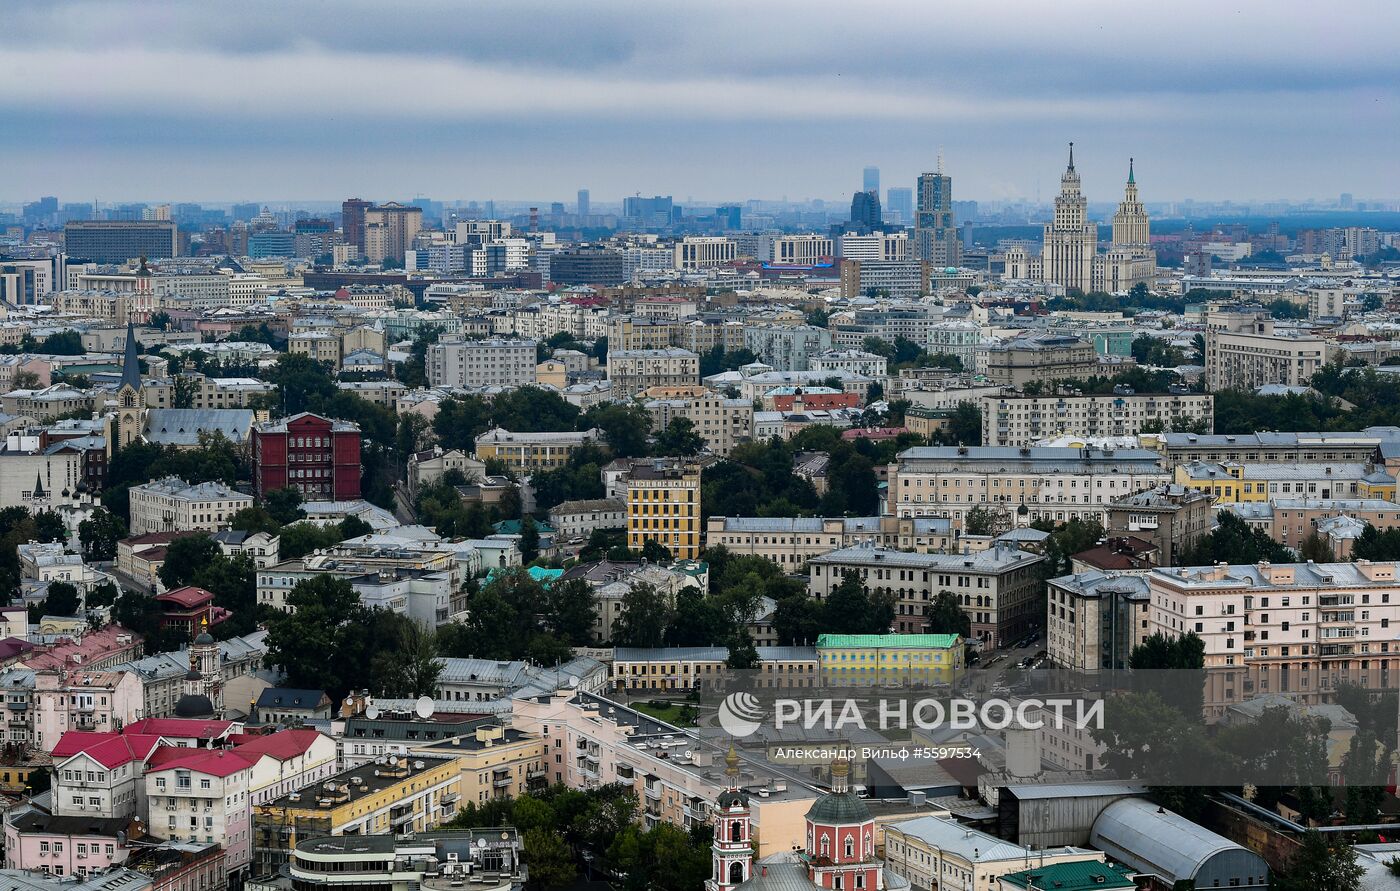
(710, 101)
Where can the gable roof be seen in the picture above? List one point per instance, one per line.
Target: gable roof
(215, 762)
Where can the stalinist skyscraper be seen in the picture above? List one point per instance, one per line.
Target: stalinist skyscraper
(1130, 227)
(1069, 256)
(1070, 239)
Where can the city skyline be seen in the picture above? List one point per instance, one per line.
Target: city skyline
(540, 100)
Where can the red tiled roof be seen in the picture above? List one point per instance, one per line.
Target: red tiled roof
(181, 728)
(108, 749)
(188, 596)
(281, 745)
(215, 762)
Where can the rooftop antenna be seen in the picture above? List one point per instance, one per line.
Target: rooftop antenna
(940, 160)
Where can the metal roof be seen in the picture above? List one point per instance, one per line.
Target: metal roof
(1153, 840)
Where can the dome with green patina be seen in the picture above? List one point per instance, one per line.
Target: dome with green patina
(839, 809)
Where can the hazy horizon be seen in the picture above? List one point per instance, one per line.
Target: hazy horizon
(721, 101)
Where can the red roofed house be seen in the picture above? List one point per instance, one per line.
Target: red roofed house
(100, 774)
(186, 607)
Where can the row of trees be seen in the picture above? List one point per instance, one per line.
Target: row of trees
(904, 353)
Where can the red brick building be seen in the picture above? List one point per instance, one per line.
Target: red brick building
(318, 456)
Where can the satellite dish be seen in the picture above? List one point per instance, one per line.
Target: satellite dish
(393, 760)
(573, 681)
(372, 713)
(423, 708)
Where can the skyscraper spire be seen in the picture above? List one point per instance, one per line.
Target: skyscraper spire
(1130, 171)
(1071, 156)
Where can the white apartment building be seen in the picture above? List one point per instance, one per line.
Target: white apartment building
(884, 246)
(1027, 483)
(172, 504)
(701, 252)
(632, 371)
(455, 361)
(1010, 419)
(202, 795)
(797, 250)
(855, 361)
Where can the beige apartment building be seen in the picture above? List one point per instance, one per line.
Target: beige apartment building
(1245, 350)
(641, 333)
(1040, 357)
(688, 668)
(1172, 518)
(205, 392)
(455, 361)
(1011, 419)
(322, 346)
(1095, 618)
(1297, 627)
(998, 588)
(790, 542)
(1026, 484)
(722, 422)
(632, 371)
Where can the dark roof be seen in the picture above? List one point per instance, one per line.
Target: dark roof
(194, 705)
(839, 808)
(131, 366)
(285, 697)
(35, 820)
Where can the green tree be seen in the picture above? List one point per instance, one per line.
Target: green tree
(570, 611)
(645, 614)
(63, 343)
(411, 669)
(679, 438)
(299, 539)
(186, 557)
(62, 599)
(284, 505)
(625, 427)
(315, 643)
(550, 861)
(1235, 541)
(851, 608)
(253, 520)
(529, 540)
(1321, 862)
(945, 615)
(981, 520)
(1316, 549)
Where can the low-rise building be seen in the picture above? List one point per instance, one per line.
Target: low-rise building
(939, 852)
(632, 371)
(1041, 358)
(1234, 482)
(485, 859)
(721, 422)
(578, 519)
(171, 504)
(998, 589)
(865, 660)
(1173, 518)
(528, 452)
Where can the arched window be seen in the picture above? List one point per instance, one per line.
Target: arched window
(850, 847)
(826, 845)
(736, 831)
(736, 872)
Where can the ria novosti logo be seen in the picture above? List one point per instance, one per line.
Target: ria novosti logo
(741, 714)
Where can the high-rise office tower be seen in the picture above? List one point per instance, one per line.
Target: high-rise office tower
(899, 204)
(865, 209)
(1130, 225)
(116, 241)
(935, 233)
(352, 221)
(871, 181)
(583, 202)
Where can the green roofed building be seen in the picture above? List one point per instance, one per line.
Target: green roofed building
(1081, 876)
(873, 659)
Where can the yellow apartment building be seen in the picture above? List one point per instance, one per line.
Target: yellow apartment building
(663, 505)
(870, 659)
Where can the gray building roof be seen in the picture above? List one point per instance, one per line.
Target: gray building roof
(1152, 840)
(1097, 583)
(994, 559)
(182, 426)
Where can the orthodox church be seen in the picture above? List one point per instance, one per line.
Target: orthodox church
(840, 844)
(202, 693)
(1069, 254)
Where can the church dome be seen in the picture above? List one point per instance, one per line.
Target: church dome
(204, 638)
(839, 809)
(732, 798)
(194, 705)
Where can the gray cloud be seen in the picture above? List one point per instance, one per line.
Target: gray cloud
(717, 99)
